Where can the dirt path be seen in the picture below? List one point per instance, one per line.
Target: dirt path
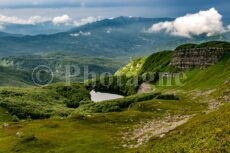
(158, 128)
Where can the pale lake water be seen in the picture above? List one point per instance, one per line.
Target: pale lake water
(100, 96)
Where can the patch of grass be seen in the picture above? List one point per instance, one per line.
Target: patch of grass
(69, 136)
(218, 44)
(131, 69)
(4, 115)
(173, 107)
(158, 62)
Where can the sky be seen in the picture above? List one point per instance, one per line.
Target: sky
(78, 9)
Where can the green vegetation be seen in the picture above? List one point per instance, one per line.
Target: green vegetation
(132, 69)
(183, 106)
(14, 77)
(74, 93)
(68, 121)
(204, 133)
(115, 105)
(90, 133)
(4, 115)
(38, 103)
(59, 63)
(116, 84)
(158, 62)
(211, 77)
(218, 44)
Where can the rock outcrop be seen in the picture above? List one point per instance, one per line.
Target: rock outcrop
(197, 57)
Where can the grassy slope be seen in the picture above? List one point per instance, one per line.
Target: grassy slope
(131, 69)
(209, 78)
(15, 78)
(156, 62)
(83, 134)
(204, 133)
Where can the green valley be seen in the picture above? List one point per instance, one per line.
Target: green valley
(186, 108)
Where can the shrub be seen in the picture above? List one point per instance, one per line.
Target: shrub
(168, 97)
(15, 118)
(121, 85)
(40, 103)
(115, 105)
(74, 94)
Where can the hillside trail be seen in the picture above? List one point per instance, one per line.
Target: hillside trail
(144, 131)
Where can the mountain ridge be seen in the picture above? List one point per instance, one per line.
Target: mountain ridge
(119, 37)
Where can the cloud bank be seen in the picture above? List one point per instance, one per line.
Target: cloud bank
(207, 22)
(59, 20)
(87, 20)
(80, 34)
(16, 20)
(64, 19)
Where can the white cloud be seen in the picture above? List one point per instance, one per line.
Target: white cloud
(207, 22)
(64, 19)
(80, 34)
(15, 20)
(87, 20)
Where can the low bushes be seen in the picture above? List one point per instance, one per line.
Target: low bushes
(121, 85)
(115, 105)
(40, 103)
(115, 84)
(168, 97)
(74, 94)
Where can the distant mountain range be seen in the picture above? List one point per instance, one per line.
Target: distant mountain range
(118, 37)
(35, 29)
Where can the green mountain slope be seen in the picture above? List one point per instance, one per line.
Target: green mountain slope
(204, 133)
(118, 37)
(14, 77)
(59, 63)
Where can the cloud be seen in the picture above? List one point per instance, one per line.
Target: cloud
(207, 22)
(15, 20)
(64, 19)
(87, 20)
(80, 34)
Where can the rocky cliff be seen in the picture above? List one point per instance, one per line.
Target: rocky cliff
(197, 57)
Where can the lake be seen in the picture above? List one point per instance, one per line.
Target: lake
(100, 96)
